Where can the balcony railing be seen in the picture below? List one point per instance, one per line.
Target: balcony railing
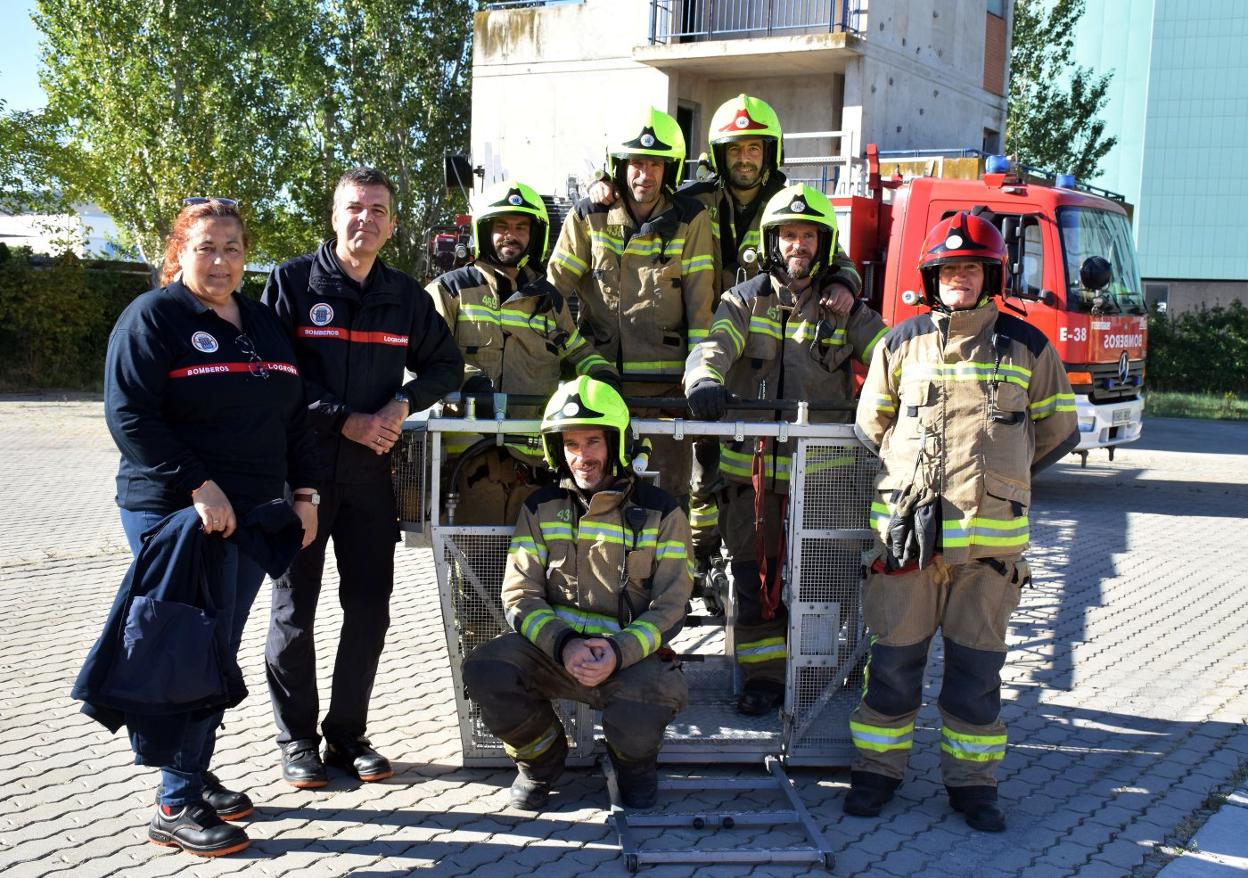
(686, 21)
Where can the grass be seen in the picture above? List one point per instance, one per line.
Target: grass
(1208, 406)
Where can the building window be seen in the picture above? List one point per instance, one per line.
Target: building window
(994, 52)
(992, 142)
(1157, 294)
(997, 8)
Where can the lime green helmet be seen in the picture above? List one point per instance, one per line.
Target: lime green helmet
(585, 403)
(654, 134)
(794, 204)
(502, 199)
(745, 118)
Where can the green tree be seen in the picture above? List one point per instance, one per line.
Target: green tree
(377, 90)
(1053, 104)
(264, 101)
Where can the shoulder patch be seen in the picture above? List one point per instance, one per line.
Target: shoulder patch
(649, 497)
(463, 278)
(920, 324)
(1022, 332)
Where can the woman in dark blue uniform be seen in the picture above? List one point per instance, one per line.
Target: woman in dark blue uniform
(204, 401)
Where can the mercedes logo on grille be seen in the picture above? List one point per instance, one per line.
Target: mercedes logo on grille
(1124, 368)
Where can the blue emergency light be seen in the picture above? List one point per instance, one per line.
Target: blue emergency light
(997, 164)
(1065, 181)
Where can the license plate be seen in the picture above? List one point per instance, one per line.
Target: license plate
(1122, 416)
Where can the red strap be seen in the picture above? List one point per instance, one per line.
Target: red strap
(768, 597)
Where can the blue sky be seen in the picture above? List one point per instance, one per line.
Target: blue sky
(19, 57)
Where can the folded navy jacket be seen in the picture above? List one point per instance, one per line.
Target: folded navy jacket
(164, 656)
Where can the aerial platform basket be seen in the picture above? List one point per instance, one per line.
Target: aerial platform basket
(831, 484)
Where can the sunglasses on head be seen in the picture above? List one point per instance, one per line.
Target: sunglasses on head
(204, 199)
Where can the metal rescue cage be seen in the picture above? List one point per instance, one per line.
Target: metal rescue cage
(831, 484)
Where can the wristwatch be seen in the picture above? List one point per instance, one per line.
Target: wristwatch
(313, 497)
(401, 396)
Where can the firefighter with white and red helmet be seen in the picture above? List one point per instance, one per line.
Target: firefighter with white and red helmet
(963, 403)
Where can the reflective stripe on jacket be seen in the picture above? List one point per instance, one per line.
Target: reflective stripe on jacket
(645, 293)
(931, 385)
(563, 576)
(764, 343)
(518, 338)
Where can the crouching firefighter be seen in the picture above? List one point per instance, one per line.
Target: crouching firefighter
(790, 333)
(596, 584)
(963, 403)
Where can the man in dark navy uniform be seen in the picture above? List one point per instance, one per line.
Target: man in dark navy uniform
(356, 324)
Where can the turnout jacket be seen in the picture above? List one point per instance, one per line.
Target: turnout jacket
(519, 338)
(767, 343)
(968, 404)
(352, 342)
(186, 401)
(615, 564)
(645, 293)
(735, 232)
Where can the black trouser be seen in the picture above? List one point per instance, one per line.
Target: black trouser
(361, 519)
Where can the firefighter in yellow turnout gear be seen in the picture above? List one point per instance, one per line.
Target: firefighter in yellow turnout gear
(963, 403)
(515, 331)
(775, 337)
(644, 273)
(746, 151)
(597, 579)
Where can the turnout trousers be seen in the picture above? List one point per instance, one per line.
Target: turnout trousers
(361, 519)
(971, 604)
(513, 682)
(760, 643)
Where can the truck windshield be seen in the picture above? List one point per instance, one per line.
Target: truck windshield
(1091, 232)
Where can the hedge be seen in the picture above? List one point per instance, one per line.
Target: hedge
(1199, 351)
(56, 314)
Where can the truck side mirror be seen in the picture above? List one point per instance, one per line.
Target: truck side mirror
(1095, 274)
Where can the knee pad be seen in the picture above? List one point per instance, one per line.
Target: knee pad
(972, 686)
(894, 678)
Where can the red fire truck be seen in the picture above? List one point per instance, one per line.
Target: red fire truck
(1073, 275)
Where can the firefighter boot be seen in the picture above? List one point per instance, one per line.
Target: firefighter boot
(531, 789)
(638, 782)
(868, 793)
(979, 806)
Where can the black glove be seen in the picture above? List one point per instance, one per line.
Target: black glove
(480, 384)
(708, 400)
(612, 380)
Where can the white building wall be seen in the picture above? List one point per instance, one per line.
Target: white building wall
(551, 83)
(547, 84)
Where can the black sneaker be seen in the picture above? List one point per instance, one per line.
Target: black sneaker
(228, 804)
(358, 759)
(197, 830)
(302, 766)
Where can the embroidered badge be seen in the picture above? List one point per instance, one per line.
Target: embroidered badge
(202, 341)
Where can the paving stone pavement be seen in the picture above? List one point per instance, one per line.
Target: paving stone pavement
(1126, 692)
